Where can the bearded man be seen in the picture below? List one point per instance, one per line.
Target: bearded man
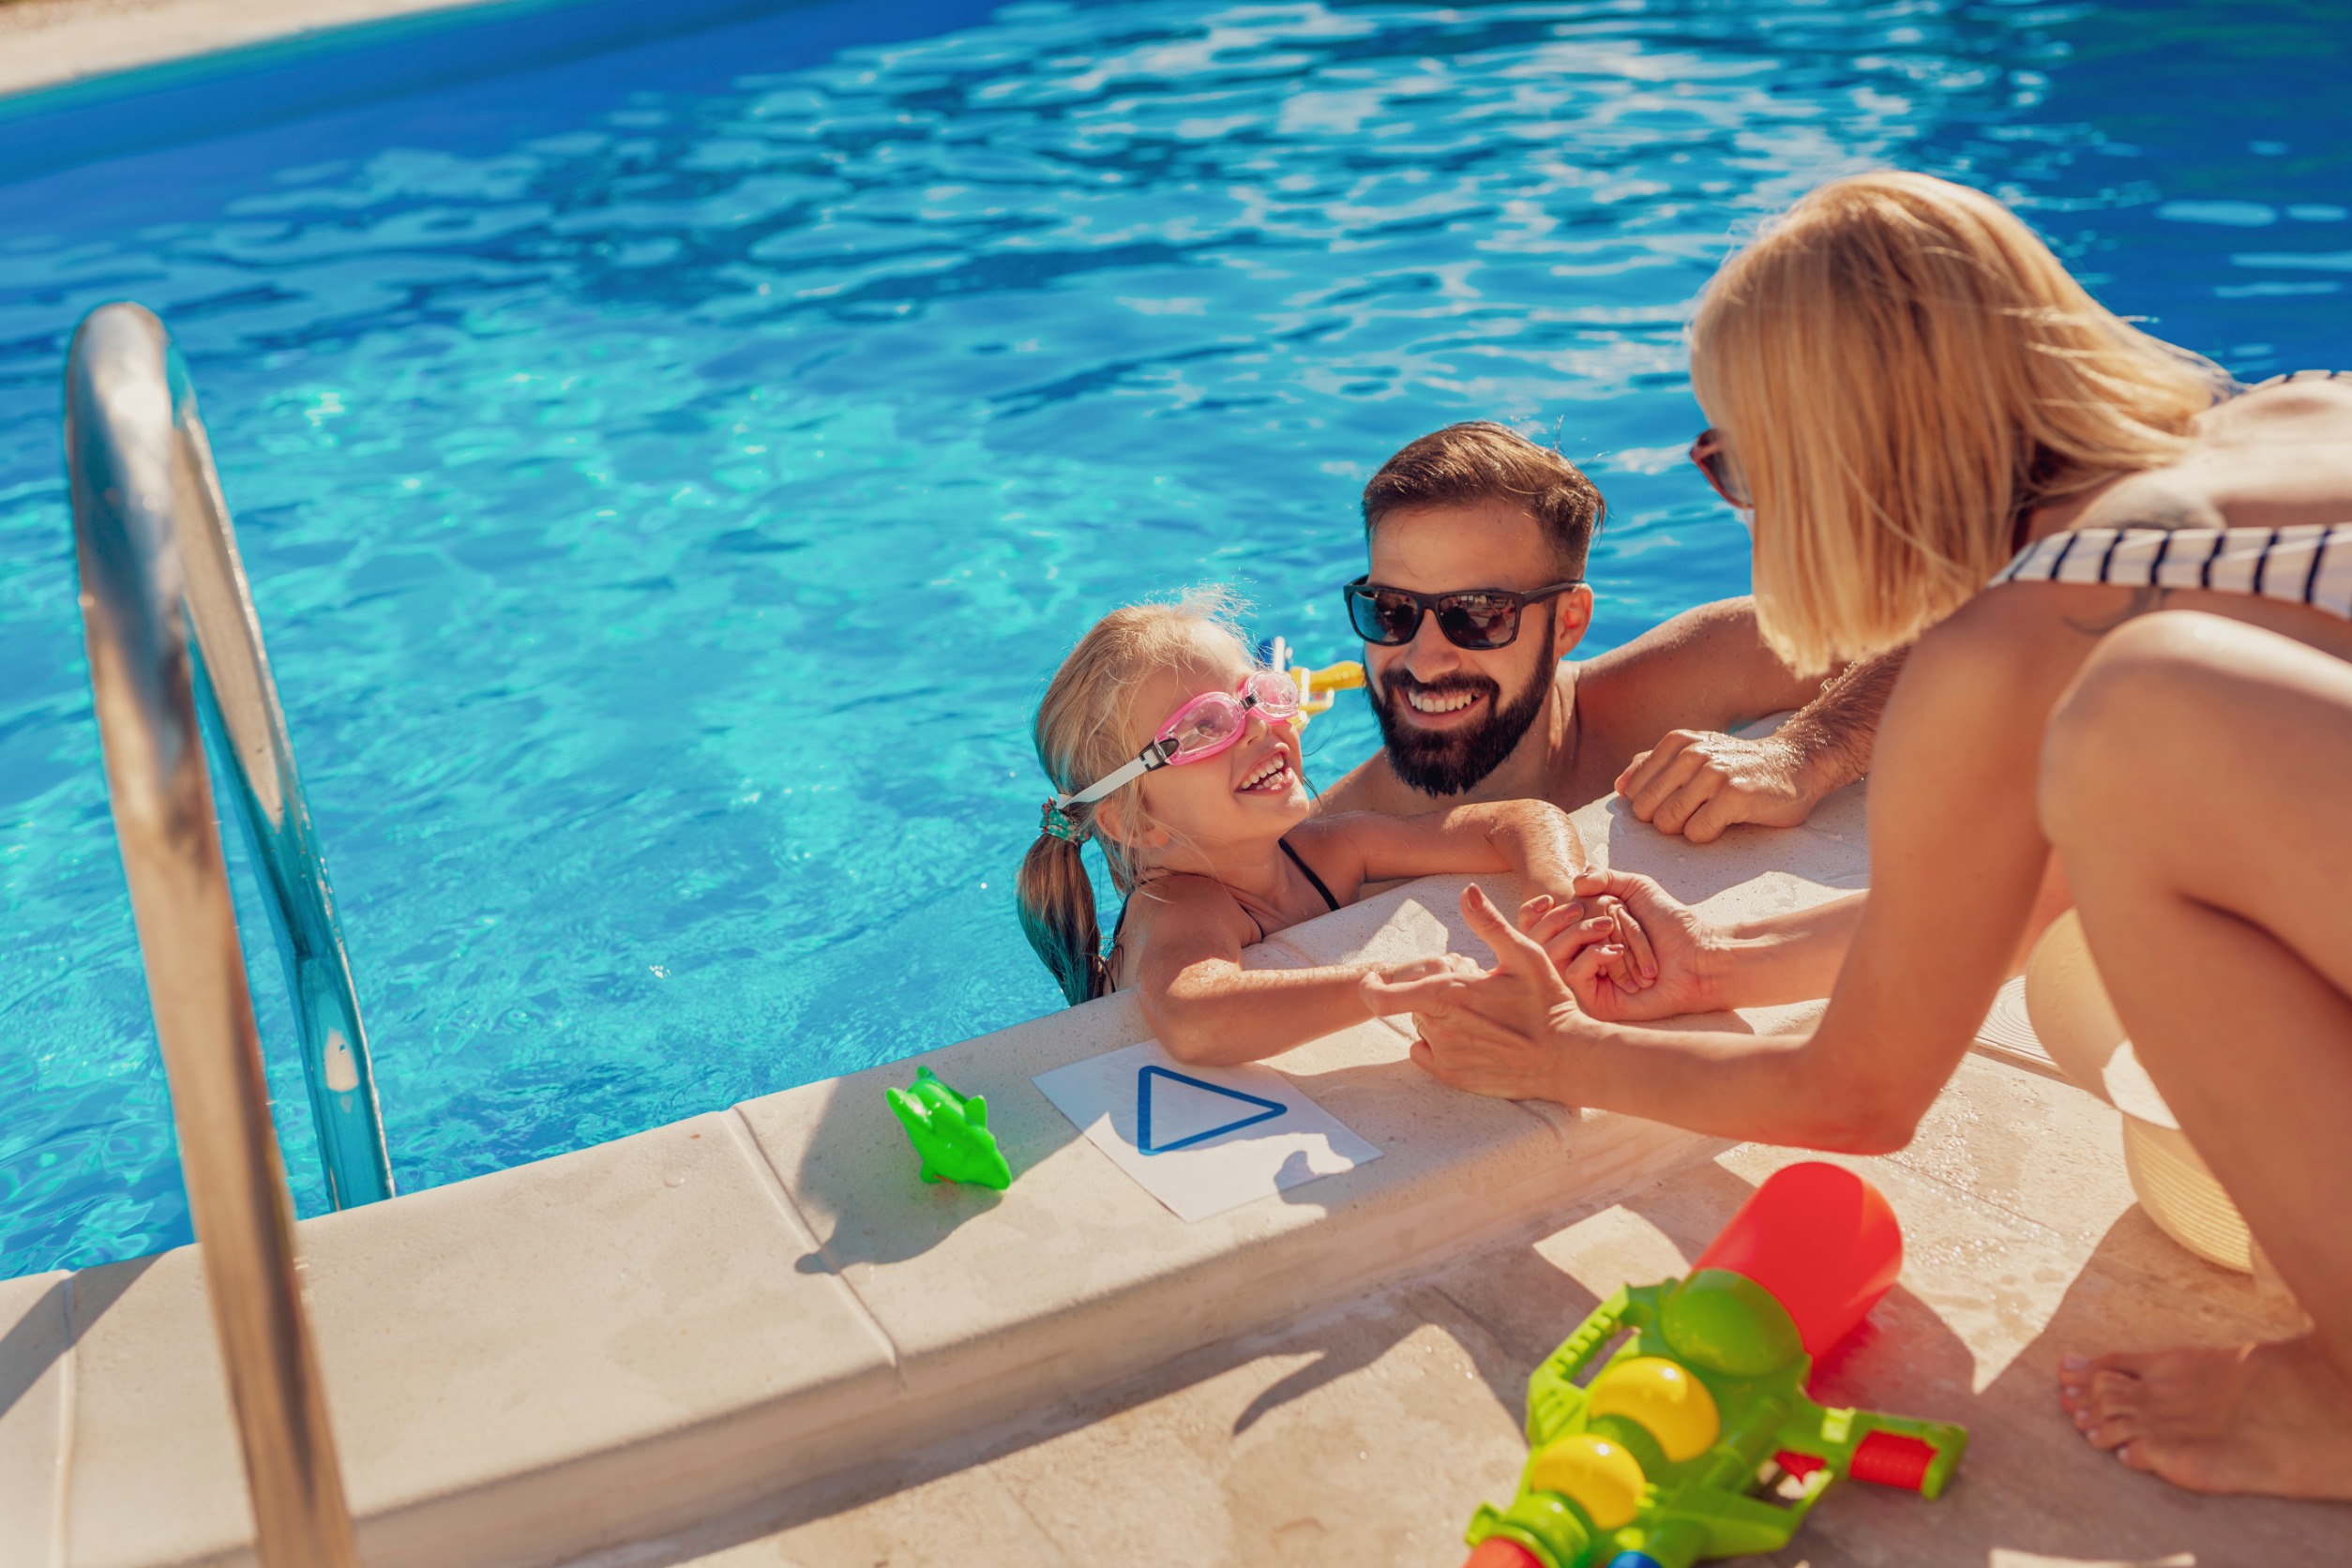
(1474, 599)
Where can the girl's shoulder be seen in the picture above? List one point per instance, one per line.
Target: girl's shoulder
(1179, 909)
(1180, 900)
(1340, 834)
(1331, 844)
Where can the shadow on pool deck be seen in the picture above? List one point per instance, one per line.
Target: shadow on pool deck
(51, 1330)
(1366, 1434)
(874, 1209)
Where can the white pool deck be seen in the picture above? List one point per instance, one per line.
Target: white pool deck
(48, 43)
(753, 1338)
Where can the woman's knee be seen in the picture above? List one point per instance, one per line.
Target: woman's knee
(2143, 712)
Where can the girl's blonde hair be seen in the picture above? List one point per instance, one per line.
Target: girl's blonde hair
(1086, 727)
(1901, 368)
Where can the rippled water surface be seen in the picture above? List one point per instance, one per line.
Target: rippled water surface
(669, 478)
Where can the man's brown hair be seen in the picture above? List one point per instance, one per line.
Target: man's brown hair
(1482, 460)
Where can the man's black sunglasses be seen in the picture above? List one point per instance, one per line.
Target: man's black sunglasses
(1477, 619)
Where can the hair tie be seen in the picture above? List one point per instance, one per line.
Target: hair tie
(1057, 823)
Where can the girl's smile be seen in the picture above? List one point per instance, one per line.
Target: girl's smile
(1275, 773)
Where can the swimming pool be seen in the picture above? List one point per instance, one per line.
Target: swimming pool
(668, 476)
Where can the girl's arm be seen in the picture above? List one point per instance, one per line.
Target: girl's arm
(1957, 855)
(1203, 1006)
(1207, 1010)
(1534, 839)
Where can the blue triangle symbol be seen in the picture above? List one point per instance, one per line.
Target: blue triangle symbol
(1267, 1110)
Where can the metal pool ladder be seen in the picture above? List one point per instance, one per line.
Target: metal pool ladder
(158, 562)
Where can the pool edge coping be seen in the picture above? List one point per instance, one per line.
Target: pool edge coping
(798, 1357)
(84, 44)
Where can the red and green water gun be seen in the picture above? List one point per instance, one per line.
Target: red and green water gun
(1697, 1439)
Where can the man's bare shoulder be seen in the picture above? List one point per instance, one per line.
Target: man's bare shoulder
(1674, 637)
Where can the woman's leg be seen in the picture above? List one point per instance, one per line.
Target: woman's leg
(2197, 785)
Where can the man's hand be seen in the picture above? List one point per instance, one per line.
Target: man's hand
(1494, 1032)
(1697, 782)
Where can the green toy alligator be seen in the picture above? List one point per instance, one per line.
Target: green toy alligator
(950, 1131)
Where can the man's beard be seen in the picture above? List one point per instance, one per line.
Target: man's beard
(1450, 763)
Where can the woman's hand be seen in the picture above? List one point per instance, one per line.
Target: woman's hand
(1510, 1031)
(1498, 1032)
(1558, 923)
(1644, 955)
(1676, 952)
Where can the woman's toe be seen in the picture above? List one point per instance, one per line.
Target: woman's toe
(2114, 1432)
(2110, 1415)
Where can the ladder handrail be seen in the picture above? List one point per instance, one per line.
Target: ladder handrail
(144, 495)
(236, 701)
(238, 698)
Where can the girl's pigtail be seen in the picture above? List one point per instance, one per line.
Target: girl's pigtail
(1057, 905)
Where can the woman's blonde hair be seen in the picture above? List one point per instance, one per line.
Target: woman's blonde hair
(1086, 727)
(1902, 368)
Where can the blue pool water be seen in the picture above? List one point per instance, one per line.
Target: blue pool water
(668, 476)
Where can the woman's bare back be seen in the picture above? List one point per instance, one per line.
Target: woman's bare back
(2274, 457)
(2278, 456)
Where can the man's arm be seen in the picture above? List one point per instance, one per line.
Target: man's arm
(1705, 669)
(1700, 673)
(1697, 783)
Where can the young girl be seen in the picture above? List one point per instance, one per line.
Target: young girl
(1171, 747)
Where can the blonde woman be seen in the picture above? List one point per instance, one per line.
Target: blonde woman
(2131, 590)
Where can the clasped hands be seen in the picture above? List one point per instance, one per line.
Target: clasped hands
(1558, 973)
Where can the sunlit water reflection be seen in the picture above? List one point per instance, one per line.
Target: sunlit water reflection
(669, 479)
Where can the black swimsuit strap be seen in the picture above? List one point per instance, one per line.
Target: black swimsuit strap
(1308, 872)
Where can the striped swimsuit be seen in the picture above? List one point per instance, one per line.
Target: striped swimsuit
(2308, 564)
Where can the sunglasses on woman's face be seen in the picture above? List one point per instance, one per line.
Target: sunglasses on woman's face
(1477, 619)
(1713, 456)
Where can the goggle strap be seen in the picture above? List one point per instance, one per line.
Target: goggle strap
(1153, 756)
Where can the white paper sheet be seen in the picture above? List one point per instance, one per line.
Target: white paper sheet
(1219, 1137)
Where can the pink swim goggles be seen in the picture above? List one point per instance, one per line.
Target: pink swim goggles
(1206, 727)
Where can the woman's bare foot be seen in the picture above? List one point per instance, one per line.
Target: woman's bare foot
(2274, 1418)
